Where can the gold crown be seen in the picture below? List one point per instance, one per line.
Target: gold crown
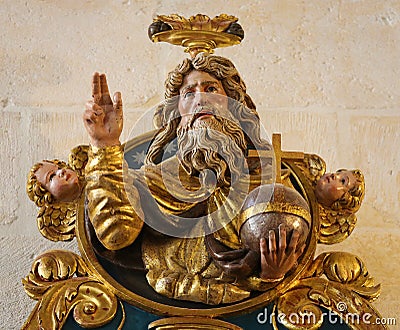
(199, 33)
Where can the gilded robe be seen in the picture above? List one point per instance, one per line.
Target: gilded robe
(180, 212)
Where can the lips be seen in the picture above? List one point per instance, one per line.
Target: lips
(204, 112)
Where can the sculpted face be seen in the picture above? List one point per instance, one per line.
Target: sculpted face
(62, 183)
(202, 96)
(209, 137)
(332, 186)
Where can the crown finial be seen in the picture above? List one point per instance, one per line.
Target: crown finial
(197, 34)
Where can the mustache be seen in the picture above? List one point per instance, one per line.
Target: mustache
(223, 127)
(200, 111)
(213, 111)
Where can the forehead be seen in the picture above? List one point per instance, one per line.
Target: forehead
(46, 167)
(345, 172)
(197, 77)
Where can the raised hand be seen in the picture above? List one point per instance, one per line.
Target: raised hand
(103, 117)
(278, 259)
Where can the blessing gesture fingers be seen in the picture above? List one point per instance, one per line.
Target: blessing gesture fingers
(103, 117)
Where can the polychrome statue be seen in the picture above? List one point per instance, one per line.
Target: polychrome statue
(226, 225)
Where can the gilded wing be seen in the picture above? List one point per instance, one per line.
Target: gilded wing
(335, 226)
(56, 222)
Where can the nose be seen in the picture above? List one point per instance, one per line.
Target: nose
(61, 172)
(200, 99)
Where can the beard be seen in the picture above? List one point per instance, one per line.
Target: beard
(213, 148)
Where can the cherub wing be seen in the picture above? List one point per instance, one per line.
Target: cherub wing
(57, 222)
(335, 226)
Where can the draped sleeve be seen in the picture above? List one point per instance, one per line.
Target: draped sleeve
(116, 218)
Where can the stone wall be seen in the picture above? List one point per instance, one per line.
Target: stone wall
(323, 73)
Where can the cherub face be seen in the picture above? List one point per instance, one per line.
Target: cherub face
(62, 183)
(332, 186)
(203, 95)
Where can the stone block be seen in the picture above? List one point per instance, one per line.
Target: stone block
(376, 147)
(11, 149)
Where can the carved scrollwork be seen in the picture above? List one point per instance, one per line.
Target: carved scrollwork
(92, 303)
(50, 267)
(60, 281)
(301, 306)
(198, 22)
(346, 291)
(348, 269)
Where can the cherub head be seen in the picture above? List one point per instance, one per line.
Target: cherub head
(341, 191)
(52, 181)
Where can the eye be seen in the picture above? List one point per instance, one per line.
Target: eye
(52, 175)
(188, 94)
(344, 181)
(211, 89)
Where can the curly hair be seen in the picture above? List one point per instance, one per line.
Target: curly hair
(167, 117)
(352, 199)
(35, 190)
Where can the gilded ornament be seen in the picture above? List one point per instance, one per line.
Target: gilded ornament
(60, 281)
(216, 236)
(199, 33)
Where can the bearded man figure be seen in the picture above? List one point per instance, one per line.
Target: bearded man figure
(190, 203)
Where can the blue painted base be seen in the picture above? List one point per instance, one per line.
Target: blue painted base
(261, 319)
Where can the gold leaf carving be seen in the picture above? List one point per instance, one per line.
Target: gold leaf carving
(56, 222)
(92, 304)
(346, 291)
(199, 33)
(297, 302)
(177, 22)
(198, 22)
(78, 158)
(312, 166)
(345, 268)
(52, 266)
(335, 227)
(59, 281)
(301, 306)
